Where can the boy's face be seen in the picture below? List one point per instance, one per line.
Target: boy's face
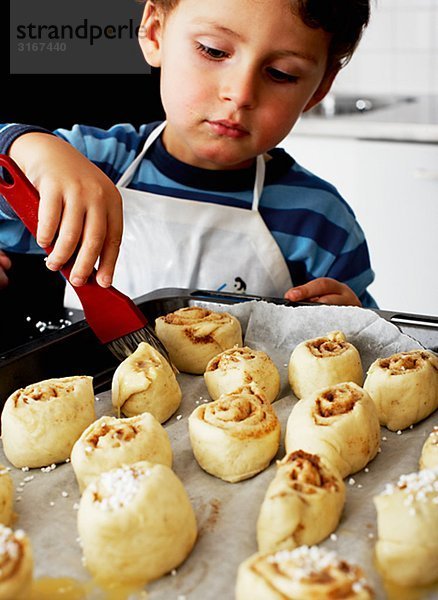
(235, 76)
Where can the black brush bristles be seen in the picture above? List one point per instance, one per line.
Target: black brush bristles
(124, 346)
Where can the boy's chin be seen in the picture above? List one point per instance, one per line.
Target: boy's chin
(223, 162)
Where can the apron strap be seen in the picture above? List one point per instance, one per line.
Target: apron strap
(127, 176)
(259, 181)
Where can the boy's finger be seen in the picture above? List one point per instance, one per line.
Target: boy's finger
(68, 237)
(107, 263)
(302, 292)
(49, 216)
(5, 261)
(335, 299)
(94, 232)
(111, 247)
(322, 286)
(3, 279)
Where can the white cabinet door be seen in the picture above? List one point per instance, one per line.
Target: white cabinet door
(393, 189)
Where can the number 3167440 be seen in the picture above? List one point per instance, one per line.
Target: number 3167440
(42, 47)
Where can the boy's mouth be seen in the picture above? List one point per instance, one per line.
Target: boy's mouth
(228, 128)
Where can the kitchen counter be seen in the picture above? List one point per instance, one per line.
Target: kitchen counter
(413, 120)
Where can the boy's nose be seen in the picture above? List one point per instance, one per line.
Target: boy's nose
(239, 88)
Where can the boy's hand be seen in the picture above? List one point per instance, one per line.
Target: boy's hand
(80, 208)
(5, 265)
(324, 290)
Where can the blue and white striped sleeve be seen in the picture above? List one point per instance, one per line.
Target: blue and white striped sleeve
(112, 150)
(14, 236)
(352, 266)
(317, 232)
(9, 132)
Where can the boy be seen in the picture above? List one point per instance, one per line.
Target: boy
(207, 203)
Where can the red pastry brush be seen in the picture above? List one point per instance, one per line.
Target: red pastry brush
(113, 317)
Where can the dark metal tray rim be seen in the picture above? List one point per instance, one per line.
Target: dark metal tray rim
(75, 350)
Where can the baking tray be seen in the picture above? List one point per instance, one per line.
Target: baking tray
(226, 513)
(75, 349)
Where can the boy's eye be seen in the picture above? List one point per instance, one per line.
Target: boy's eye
(211, 53)
(281, 76)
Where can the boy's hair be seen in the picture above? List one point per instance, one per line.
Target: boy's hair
(344, 19)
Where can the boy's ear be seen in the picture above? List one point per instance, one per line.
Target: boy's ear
(149, 34)
(323, 89)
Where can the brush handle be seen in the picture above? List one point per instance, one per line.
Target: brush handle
(109, 313)
(24, 198)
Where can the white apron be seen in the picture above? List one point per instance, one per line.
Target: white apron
(181, 243)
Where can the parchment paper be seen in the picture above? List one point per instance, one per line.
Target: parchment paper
(227, 513)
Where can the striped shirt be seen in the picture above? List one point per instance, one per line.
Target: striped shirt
(312, 224)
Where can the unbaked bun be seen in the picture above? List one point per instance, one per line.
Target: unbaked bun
(323, 361)
(135, 523)
(16, 564)
(6, 496)
(339, 423)
(41, 422)
(238, 367)
(236, 436)
(302, 505)
(301, 574)
(145, 382)
(429, 452)
(110, 442)
(404, 387)
(407, 526)
(194, 335)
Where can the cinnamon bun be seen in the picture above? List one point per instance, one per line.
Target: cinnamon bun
(110, 442)
(404, 387)
(236, 436)
(303, 503)
(407, 526)
(41, 422)
(429, 452)
(16, 564)
(306, 573)
(145, 382)
(135, 523)
(323, 361)
(6, 496)
(339, 423)
(237, 367)
(194, 335)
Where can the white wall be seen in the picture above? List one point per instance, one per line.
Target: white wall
(398, 52)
